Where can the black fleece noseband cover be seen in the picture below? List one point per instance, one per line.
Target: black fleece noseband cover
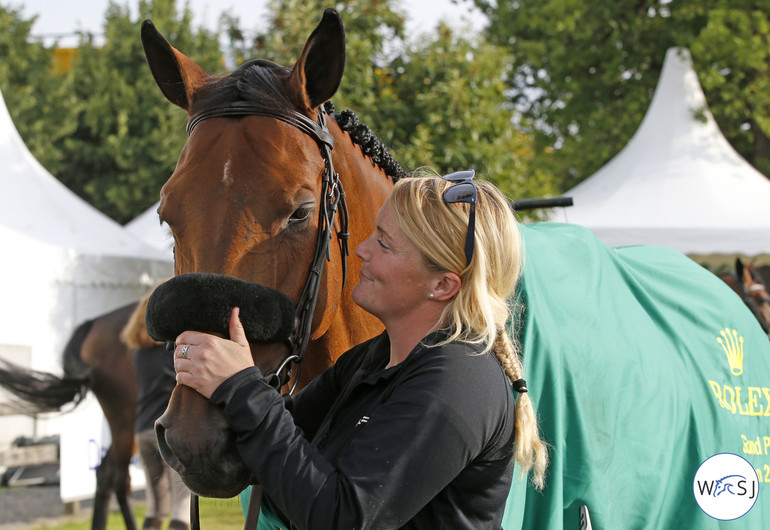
(203, 302)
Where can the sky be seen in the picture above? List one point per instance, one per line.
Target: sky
(64, 17)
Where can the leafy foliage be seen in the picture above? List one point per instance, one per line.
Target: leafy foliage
(435, 99)
(444, 104)
(544, 97)
(127, 137)
(584, 71)
(38, 99)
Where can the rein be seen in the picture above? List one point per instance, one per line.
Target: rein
(332, 203)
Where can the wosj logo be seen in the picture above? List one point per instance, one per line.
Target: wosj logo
(726, 486)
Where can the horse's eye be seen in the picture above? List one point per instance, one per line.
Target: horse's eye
(300, 215)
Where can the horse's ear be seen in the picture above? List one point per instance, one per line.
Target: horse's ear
(739, 267)
(177, 75)
(318, 73)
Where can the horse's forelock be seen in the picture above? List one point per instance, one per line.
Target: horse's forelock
(254, 81)
(263, 81)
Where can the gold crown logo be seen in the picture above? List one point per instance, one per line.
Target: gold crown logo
(732, 344)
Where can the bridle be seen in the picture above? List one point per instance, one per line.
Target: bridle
(332, 203)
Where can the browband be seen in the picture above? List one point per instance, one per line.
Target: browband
(243, 108)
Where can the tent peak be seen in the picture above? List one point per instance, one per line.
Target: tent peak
(678, 182)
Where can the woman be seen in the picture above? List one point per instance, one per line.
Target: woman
(415, 427)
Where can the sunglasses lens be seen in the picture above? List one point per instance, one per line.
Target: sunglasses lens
(463, 192)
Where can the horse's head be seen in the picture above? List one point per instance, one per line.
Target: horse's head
(244, 197)
(249, 198)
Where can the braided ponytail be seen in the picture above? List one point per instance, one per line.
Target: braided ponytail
(530, 452)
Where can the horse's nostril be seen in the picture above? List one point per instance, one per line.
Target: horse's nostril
(165, 450)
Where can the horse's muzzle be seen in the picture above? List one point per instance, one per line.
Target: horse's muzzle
(205, 456)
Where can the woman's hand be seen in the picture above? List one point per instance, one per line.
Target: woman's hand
(203, 361)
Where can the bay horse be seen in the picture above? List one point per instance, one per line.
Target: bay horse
(257, 185)
(641, 363)
(94, 359)
(749, 285)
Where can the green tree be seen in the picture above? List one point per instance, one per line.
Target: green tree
(584, 71)
(38, 99)
(371, 30)
(128, 138)
(434, 99)
(732, 56)
(444, 104)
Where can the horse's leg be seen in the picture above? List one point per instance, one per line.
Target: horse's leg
(103, 493)
(122, 450)
(123, 494)
(112, 475)
(158, 487)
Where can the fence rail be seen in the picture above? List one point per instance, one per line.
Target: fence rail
(29, 455)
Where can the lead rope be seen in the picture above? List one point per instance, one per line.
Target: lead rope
(252, 514)
(195, 520)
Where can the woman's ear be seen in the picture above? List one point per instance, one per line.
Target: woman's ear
(447, 287)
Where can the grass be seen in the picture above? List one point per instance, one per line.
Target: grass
(215, 514)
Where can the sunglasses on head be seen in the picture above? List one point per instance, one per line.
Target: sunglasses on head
(464, 190)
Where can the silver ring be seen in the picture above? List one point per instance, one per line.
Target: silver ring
(184, 351)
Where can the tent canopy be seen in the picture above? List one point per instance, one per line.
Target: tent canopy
(149, 229)
(63, 262)
(678, 183)
(35, 203)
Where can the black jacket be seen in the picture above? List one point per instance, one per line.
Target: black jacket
(425, 444)
(155, 380)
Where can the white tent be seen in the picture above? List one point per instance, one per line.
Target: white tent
(63, 263)
(678, 183)
(148, 228)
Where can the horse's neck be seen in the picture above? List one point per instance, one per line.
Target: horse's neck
(366, 187)
(324, 351)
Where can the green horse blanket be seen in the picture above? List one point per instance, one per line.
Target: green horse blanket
(641, 365)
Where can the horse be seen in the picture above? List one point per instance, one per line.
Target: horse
(621, 345)
(249, 198)
(764, 273)
(747, 283)
(94, 359)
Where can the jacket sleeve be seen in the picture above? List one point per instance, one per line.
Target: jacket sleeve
(411, 447)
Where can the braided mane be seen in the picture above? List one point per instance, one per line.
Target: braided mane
(262, 81)
(370, 145)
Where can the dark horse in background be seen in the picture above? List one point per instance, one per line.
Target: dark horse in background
(747, 282)
(94, 359)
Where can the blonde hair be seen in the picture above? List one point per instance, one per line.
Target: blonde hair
(480, 311)
(134, 333)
